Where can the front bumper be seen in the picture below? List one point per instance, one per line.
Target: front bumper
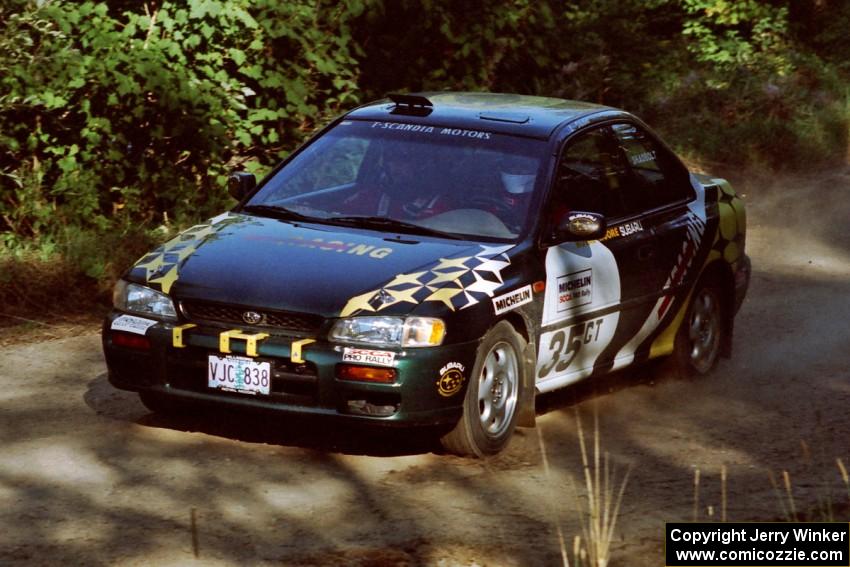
(305, 384)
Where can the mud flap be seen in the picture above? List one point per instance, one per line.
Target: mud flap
(526, 412)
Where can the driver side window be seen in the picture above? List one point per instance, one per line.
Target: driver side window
(591, 176)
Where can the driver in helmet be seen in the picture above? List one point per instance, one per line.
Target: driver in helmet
(517, 176)
(403, 188)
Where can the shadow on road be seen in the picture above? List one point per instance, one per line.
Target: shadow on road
(567, 398)
(308, 432)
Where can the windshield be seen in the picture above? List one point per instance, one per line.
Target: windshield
(446, 180)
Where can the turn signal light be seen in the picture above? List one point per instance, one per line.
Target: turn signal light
(131, 340)
(365, 373)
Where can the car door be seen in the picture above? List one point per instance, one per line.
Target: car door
(659, 189)
(596, 291)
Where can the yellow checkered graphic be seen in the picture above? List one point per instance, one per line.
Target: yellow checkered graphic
(456, 282)
(162, 266)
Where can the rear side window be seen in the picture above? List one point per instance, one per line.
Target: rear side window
(655, 178)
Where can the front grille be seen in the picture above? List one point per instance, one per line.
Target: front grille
(204, 312)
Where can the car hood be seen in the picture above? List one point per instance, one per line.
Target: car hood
(326, 270)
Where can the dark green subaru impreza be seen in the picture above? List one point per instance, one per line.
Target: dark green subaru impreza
(439, 259)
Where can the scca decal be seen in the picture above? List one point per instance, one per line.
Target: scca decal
(575, 290)
(512, 300)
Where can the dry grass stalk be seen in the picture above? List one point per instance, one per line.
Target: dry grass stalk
(579, 554)
(786, 478)
(824, 502)
(844, 476)
(807, 455)
(696, 495)
(823, 492)
(723, 493)
(560, 531)
(778, 493)
(603, 507)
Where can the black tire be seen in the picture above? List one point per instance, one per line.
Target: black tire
(699, 340)
(157, 403)
(489, 420)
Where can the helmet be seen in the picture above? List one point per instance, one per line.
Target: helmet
(518, 175)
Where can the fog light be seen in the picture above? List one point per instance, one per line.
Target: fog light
(365, 373)
(362, 407)
(131, 340)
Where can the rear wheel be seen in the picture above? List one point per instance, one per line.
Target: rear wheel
(699, 340)
(492, 396)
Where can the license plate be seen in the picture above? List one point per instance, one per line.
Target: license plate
(239, 374)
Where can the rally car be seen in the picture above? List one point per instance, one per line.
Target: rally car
(439, 259)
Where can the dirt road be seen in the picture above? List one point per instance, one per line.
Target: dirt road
(88, 476)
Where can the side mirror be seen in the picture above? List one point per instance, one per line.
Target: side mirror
(580, 225)
(240, 184)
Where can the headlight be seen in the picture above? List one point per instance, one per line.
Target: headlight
(390, 331)
(142, 300)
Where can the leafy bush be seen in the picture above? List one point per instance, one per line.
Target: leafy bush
(118, 116)
(112, 119)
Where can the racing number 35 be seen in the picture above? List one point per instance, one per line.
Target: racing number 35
(564, 350)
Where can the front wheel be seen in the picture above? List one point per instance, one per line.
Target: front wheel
(492, 396)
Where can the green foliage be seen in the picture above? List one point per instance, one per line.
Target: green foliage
(121, 116)
(800, 119)
(115, 114)
(731, 34)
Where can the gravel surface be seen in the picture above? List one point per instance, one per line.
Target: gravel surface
(89, 477)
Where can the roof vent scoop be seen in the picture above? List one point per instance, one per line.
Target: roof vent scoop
(510, 117)
(416, 105)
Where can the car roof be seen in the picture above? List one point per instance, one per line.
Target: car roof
(524, 115)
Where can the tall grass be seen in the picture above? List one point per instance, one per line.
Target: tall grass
(598, 499)
(845, 478)
(603, 494)
(826, 508)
